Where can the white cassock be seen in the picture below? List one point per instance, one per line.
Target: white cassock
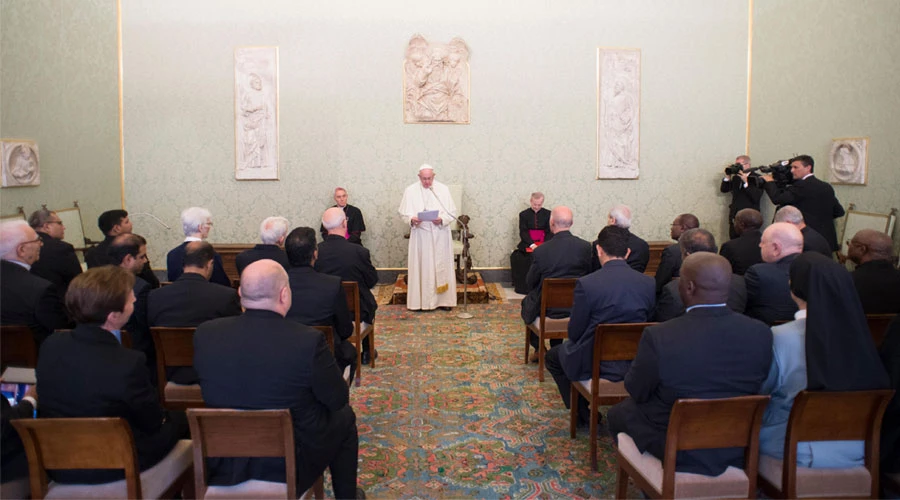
(432, 282)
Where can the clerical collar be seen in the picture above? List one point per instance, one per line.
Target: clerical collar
(704, 305)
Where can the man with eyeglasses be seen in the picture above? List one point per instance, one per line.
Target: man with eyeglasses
(875, 277)
(58, 263)
(670, 261)
(196, 223)
(112, 223)
(26, 299)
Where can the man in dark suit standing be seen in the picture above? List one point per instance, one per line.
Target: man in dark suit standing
(768, 284)
(614, 294)
(339, 257)
(670, 261)
(58, 263)
(26, 299)
(272, 232)
(710, 352)
(638, 249)
(812, 240)
(113, 223)
(318, 298)
(196, 222)
(356, 225)
(260, 361)
(745, 192)
(814, 198)
(875, 277)
(743, 251)
(191, 300)
(564, 256)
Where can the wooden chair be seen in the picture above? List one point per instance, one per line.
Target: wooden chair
(239, 433)
(98, 443)
(878, 325)
(612, 342)
(697, 424)
(351, 288)
(328, 332)
(18, 346)
(555, 293)
(175, 349)
(828, 416)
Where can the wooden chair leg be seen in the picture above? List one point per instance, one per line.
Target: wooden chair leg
(527, 343)
(372, 348)
(595, 423)
(541, 353)
(573, 411)
(319, 488)
(358, 362)
(621, 483)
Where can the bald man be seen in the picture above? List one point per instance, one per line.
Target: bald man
(768, 284)
(356, 225)
(743, 251)
(709, 352)
(875, 277)
(812, 240)
(260, 361)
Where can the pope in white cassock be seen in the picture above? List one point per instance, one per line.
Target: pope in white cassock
(431, 282)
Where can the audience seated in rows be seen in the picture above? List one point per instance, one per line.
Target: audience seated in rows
(196, 223)
(318, 298)
(192, 299)
(112, 223)
(743, 251)
(86, 372)
(669, 304)
(709, 352)
(338, 257)
(875, 277)
(768, 292)
(670, 261)
(616, 293)
(262, 360)
(812, 240)
(58, 263)
(564, 256)
(639, 250)
(272, 232)
(826, 348)
(26, 299)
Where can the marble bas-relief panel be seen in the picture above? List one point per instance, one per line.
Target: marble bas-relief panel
(436, 81)
(618, 113)
(849, 161)
(21, 164)
(256, 113)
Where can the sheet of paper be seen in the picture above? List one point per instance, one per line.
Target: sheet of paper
(16, 375)
(428, 215)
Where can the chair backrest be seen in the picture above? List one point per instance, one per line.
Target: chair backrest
(557, 292)
(18, 347)
(78, 443)
(878, 325)
(834, 416)
(351, 289)
(328, 332)
(174, 348)
(714, 423)
(241, 433)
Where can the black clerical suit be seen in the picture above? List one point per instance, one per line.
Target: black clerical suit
(669, 266)
(816, 201)
(741, 197)
(520, 259)
(259, 361)
(815, 242)
(339, 257)
(769, 291)
(710, 352)
(58, 263)
(87, 373)
(637, 259)
(355, 224)
(743, 251)
(189, 301)
(669, 304)
(99, 256)
(175, 265)
(878, 285)
(260, 252)
(26, 299)
(318, 299)
(139, 328)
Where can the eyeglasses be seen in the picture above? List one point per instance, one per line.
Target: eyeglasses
(54, 222)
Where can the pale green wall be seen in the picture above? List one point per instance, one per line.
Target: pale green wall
(59, 87)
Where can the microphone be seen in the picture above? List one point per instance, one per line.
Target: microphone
(461, 223)
(163, 224)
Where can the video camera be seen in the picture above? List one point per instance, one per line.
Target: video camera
(780, 171)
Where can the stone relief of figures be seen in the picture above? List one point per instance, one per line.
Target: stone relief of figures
(21, 164)
(436, 81)
(619, 112)
(849, 161)
(256, 112)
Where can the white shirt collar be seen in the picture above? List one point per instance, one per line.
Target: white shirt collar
(807, 175)
(704, 305)
(800, 314)
(26, 266)
(192, 238)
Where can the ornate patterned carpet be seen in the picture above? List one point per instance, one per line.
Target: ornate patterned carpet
(451, 411)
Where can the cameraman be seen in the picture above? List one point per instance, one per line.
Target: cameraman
(814, 198)
(745, 190)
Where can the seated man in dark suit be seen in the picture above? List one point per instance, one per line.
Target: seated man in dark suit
(564, 256)
(196, 223)
(129, 251)
(710, 352)
(669, 304)
(339, 257)
(614, 294)
(262, 361)
(318, 298)
(272, 232)
(191, 300)
(113, 223)
(58, 263)
(638, 249)
(812, 240)
(26, 299)
(87, 373)
(670, 261)
(875, 277)
(743, 251)
(356, 225)
(768, 284)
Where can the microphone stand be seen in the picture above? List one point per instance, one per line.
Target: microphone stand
(465, 236)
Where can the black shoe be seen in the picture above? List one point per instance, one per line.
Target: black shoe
(367, 358)
(445, 308)
(360, 494)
